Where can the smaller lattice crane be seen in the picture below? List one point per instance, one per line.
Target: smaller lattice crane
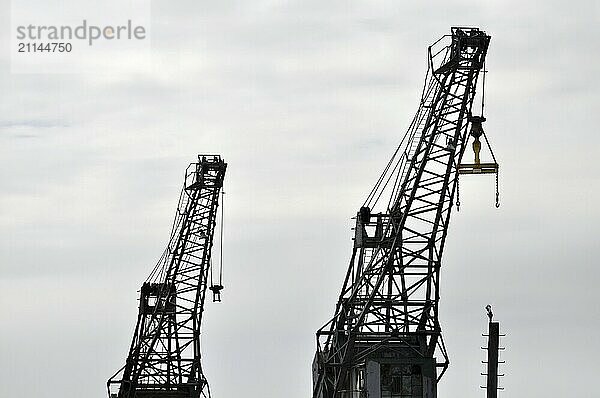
(164, 357)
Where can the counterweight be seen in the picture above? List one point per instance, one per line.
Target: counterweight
(164, 357)
(384, 339)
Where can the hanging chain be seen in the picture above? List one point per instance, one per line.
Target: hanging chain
(497, 170)
(497, 190)
(457, 194)
(221, 238)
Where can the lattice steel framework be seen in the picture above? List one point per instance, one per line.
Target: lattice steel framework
(164, 357)
(389, 300)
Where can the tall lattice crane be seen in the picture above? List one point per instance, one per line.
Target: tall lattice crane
(384, 340)
(164, 357)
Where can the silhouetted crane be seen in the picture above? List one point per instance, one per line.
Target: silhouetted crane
(164, 358)
(384, 340)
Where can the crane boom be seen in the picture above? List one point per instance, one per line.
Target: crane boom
(384, 339)
(164, 357)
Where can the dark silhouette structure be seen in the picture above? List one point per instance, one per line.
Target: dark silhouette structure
(164, 358)
(384, 340)
(493, 348)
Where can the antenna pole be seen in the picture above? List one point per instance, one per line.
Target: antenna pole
(492, 357)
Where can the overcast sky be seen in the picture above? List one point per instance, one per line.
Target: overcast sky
(306, 101)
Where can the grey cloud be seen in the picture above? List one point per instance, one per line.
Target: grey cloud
(306, 101)
(34, 123)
